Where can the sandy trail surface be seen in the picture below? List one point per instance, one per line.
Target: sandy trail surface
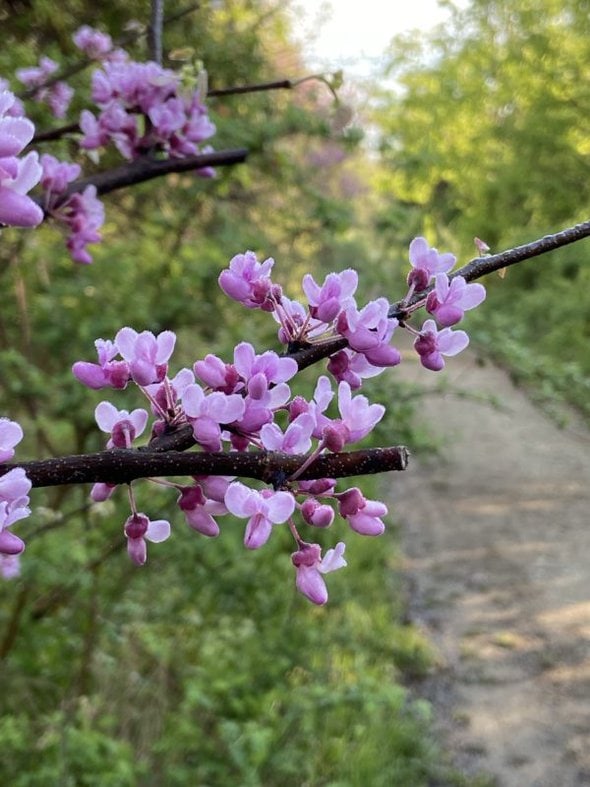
(496, 534)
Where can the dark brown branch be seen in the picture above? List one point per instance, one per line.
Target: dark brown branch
(282, 84)
(123, 466)
(146, 169)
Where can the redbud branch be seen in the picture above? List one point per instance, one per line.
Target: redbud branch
(475, 269)
(123, 466)
(145, 168)
(482, 266)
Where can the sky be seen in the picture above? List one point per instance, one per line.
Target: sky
(342, 34)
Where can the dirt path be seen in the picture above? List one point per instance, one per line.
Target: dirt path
(497, 538)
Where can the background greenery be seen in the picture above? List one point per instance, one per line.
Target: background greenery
(206, 667)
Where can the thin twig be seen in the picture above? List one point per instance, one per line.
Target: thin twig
(154, 33)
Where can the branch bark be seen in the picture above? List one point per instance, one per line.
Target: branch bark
(123, 466)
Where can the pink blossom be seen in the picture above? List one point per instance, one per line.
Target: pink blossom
(264, 509)
(11, 433)
(451, 299)
(432, 344)
(335, 294)
(93, 43)
(137, 529)
(107, 372)
(201, 502)
(207, 411)
(123, 426)
(295, 440)
(217, 375)
(369, 330)
(358, 416)
(83, 213)
(426, 262)
(310, 567)
(14, 505)
(146, 354)
(101, 492)
(352, 367)
(248, 282)
(17, 177)
(363, 515)
(15, 132)
(57, 174)
(317, 514)
(57, 96)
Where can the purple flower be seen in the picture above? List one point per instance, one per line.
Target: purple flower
(450, 299)
(93, 43)
(17, 177)
(15, 132)
(432, 344)
(11, 433)
(358, 416)
(317, 514)
(201, 502)
(352, 367)
(363, 515)
(217, 374)
(83, 214)
(310, 567)
(264, 509)
(295, 440)
(426, 262)
(137, 529)
(123, 427)
(107, 372)
(335, 294)
(14, 505)
(248, 282)
(369, 330)
(146, 354)
(57, 96)
(57, 174)
(207, 412)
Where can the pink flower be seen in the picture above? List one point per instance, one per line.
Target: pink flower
(11, 433)
(248, 282)
(363, 515)
(451, 299)
(426, 262)
(264, 509)
(432, 344)
(295, 440)
(358, 415)
(17, 177)
(146, 354)
(206, 412)
(107, 372)
(123, 427)
(369, 330)
(57, 174)
(335, 294)
(9, 566)
(137, 529)
(83, 213)
(57, 96)
(201, 502)
(14, 505)
(93, 43)
(310, 567)
(352, 367)
(317, 514)
(15, 132)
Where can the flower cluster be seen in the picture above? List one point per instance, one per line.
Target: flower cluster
(14, 500)
(247, 405)
(17, 175)
(142, 109)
